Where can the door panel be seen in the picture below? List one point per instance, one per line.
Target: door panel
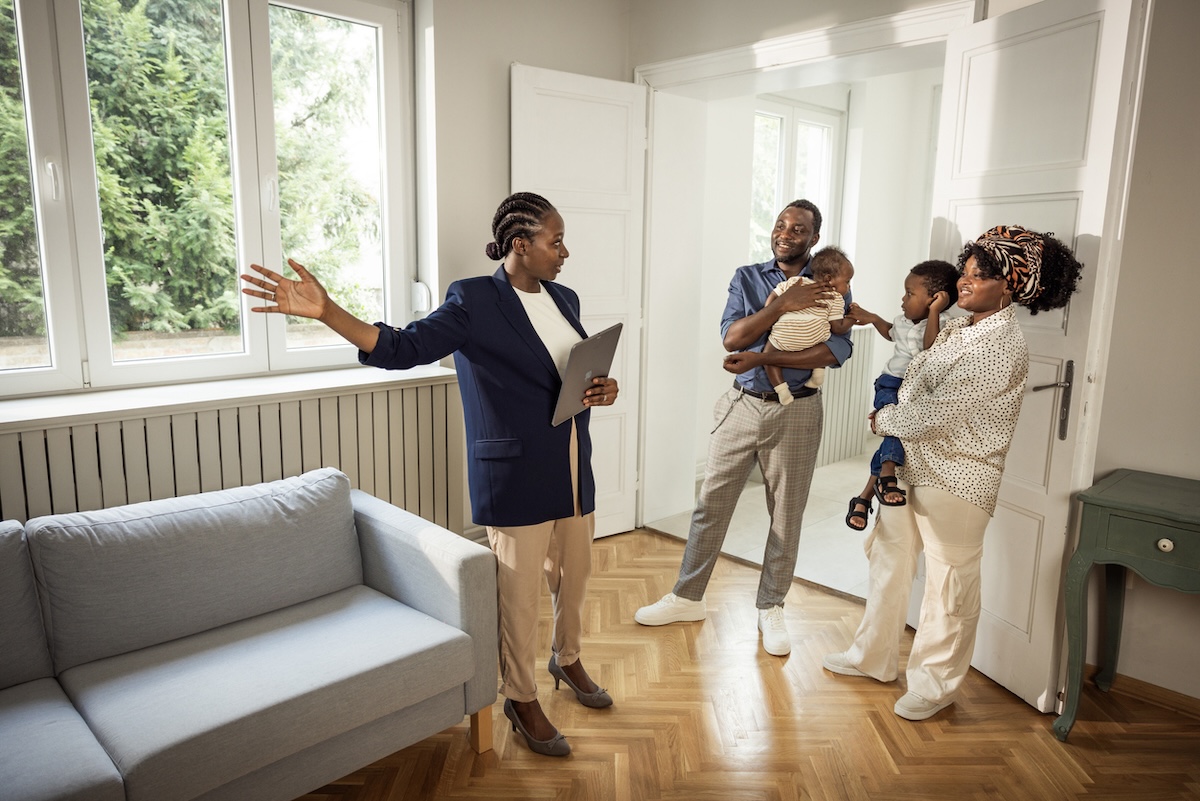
(1029, 458)
(580, 142)
(996, 115)
(1034, 105)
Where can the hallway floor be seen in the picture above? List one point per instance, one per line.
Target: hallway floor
(831, 554)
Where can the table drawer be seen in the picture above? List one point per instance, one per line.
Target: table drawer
(1141, 538)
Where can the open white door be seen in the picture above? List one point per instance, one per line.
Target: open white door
(1036, 123)
(581, 142)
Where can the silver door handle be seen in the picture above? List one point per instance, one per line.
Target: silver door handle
(1064, 407)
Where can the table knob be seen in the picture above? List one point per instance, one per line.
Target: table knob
(1165, 545)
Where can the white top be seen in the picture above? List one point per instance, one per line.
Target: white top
(556, 333)
(909, 339)
(958, 407)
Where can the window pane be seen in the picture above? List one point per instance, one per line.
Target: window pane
(160, 128)
(764, 194)
(813, 163)
(324, 74)
(23, 338)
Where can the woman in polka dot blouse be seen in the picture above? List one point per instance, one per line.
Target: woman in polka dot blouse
(956, 414)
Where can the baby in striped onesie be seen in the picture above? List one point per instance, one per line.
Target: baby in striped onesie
(798, 330)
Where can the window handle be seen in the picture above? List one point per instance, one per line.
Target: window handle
(52, 173)
(421, 297)
(272, 194)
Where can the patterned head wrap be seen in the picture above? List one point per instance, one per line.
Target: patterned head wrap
(1018, 253)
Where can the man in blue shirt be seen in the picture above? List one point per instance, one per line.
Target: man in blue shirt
(753, 427)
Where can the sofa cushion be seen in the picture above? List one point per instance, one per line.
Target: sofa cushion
(22, 640)
(184, 717)
(48, 751)
(120, 579)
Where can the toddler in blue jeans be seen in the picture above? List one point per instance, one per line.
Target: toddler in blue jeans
(929, 289)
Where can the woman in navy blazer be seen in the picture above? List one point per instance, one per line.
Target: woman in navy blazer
(531, 483)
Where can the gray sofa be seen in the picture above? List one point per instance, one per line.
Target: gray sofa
(251, 643)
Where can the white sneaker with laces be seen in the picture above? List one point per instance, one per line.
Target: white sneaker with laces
(776, 641)
(913, 707)
(838, 663)
(670, 609)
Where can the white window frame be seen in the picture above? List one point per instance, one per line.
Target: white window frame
(793, 113)
(69, 218)
(51, 200)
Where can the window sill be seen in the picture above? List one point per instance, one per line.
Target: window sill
(114, 404)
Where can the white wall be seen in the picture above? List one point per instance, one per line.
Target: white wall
(887, 200)
(1152, 385)
(726, 244)
(475, 42)
(672, 325)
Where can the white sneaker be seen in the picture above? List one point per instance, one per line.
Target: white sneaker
(774, 631)
(670, 609)
(837, 663)
(913, 707)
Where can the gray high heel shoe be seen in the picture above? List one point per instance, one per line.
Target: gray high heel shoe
(555, 746)
(596, 700)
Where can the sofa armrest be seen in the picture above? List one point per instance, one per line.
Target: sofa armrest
(437, 572)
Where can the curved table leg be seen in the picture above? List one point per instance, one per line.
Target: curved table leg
(1114, 591)
(1076, 590)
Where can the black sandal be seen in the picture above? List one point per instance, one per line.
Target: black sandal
(855, 514)
(886, 484)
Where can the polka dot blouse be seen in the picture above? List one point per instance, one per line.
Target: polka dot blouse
(958, 407)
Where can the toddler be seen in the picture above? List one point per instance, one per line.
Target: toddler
(929, 289)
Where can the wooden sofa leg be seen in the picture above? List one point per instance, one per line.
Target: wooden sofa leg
(481, 730)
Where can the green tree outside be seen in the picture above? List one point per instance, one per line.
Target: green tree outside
(160, 128)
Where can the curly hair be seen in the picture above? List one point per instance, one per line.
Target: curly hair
(938, 276)
(828, 262)
(1059, 278)
(519, 215)
(808, 205)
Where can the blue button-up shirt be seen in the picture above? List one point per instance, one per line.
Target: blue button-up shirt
(748, 293)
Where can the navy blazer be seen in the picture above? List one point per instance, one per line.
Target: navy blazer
(518, 465)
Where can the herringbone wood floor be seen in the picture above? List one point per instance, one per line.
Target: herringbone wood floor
(702, 712)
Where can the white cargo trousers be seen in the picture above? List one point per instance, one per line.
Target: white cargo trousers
(950, 531)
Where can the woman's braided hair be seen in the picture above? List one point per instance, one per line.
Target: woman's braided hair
(520, 215)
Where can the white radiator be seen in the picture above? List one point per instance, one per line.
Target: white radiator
(400, 441)
(846, 398)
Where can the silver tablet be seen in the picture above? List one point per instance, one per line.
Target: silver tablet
(589, 358)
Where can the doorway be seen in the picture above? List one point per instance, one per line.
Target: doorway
(1067, 176)
(880, 217)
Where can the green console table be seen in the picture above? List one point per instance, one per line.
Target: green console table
(1145, 522)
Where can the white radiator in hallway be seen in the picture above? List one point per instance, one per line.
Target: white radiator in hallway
(846, 398)
(402, 442)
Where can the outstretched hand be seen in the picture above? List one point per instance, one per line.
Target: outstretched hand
(861, 316)
(303, 298)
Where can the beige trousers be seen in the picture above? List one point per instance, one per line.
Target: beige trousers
(950, 530)
(560, 550)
